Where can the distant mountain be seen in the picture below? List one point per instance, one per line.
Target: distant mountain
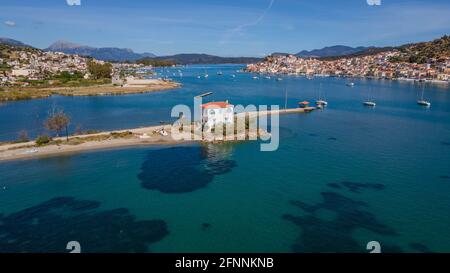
(105, 53)
(207, 59)
(332, 51)
(11, 42)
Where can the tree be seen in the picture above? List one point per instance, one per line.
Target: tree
(57, 121)
(99, 71)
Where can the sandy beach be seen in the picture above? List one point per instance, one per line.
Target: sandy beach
(106, 140)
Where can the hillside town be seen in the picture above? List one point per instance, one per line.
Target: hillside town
(377, 66)
(21, 65)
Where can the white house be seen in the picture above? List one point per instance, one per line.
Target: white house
(217, 112)
(20, 72)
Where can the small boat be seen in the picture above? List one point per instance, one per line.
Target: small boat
(233, 76)
(255, 77)
(144, 136)
(198, 77)
(351, 84)
(423, 102)
(162, 132)
(370, 103)
(320, 101)
(206, 75)
(220, 73)
(279, 79)
(267, 77)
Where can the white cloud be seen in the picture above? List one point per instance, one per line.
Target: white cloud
(10, 23)
(240, 29)
(73, 2)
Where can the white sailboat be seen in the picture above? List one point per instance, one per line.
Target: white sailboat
(369, 103)
(423, 102)
(320, 101)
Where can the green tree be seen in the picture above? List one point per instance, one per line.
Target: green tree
(99, 71)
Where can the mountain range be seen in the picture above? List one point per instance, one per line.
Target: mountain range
(104, 53)
(206, 59)
(332, 51)
(11, 42)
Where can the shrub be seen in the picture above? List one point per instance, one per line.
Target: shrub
(42, 140)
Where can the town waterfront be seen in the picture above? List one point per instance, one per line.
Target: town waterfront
(341, 177)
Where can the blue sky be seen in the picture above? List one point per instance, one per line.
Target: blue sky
(224, 27)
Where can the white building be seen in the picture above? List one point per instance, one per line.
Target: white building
(217, 112)
(20, 72)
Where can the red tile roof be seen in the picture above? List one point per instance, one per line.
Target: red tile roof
(216, 104)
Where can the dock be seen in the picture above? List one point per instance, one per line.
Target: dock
(278, 112)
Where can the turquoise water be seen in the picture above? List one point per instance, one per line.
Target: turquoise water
(341, 177)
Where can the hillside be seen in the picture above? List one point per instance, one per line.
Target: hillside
(338, 50)
(11, 42)
(423, 52)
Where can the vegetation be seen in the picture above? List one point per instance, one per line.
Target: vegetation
(58, 121)
(155, 62)
(98, 70)
(42, 140)
(424, 52)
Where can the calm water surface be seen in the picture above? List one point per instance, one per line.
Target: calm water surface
(341, 177)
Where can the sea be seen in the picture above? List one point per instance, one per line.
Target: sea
(341, 177)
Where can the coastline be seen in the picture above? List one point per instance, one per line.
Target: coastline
(29, 150)
(26, 93)
(125, 138)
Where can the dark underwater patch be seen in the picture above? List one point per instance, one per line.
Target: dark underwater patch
(313, 135)
(49, 226)
(332, 138)
(334, 185)
(445, 143)
(206, 226)
(183, 169)
(356, 187)
(319, 235)
(446, 177)
(419, 247)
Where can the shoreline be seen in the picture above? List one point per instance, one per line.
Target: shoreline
(106, 140)
(124, 138)
(28, 93)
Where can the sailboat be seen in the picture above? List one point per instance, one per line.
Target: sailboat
(206, 74)
(369, 102)
(321, 102)
(423, 102)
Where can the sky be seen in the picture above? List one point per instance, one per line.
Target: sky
(224, 27)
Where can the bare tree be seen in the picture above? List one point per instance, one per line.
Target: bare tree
(57, 122)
